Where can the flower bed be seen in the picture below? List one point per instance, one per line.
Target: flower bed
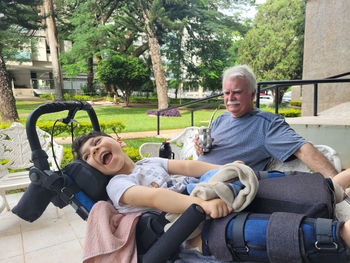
(168, 113)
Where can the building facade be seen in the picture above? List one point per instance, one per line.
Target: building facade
(34, 76)
(326, 52)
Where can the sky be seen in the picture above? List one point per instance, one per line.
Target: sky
(251, 13)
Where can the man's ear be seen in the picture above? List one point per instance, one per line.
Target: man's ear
(254, 94)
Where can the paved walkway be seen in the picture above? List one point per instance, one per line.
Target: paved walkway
(338, 115)
(169, 134)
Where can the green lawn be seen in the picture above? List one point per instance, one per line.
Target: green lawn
(135, 118)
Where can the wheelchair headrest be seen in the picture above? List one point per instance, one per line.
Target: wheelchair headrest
(90, 180)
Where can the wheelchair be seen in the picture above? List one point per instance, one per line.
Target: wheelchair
(269, 230)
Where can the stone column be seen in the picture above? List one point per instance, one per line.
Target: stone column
(326, 52)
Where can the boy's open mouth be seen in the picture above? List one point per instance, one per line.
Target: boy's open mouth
(106, 158)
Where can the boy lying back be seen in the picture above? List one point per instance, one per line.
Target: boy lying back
(140, 187)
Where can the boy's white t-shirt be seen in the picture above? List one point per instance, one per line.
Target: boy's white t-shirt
(151, 172)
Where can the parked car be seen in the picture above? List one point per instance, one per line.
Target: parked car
(266, 99)
(287, 97)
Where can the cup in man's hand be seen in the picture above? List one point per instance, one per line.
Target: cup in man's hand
(205, 139)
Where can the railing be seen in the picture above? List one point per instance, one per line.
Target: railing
(274, 85)
(192, 110)
(284, 83)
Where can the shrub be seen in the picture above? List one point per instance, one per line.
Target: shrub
(288, 112)
(67, 157)
(145, 100)
(133, 153)
(47, 96)
(296, 103)
(83, 128)
(168, 113)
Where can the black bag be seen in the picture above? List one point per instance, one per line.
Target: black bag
(296, 192)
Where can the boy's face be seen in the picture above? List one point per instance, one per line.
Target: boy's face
(103, 153)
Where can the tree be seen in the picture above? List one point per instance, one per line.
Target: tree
(127, 73)
(101, 27)
(157, 64)
(273, 47)
(18, 19)
(51, 36)
(203, 49)
(84, 23)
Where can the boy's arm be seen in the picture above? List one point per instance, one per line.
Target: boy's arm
(343, 178)
(172, 202)
(190, 167)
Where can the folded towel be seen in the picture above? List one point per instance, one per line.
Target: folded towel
(219, 186)
(110, 236)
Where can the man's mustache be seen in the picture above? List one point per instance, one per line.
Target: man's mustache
(235, 102)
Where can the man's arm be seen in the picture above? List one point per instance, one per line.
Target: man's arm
(315, 160)
(172, 202)
(190, 167)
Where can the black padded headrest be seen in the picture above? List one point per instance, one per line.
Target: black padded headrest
(90, 180)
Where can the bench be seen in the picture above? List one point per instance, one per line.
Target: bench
(15, 154)
(183, 148)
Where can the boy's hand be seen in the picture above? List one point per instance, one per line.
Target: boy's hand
(216, 208)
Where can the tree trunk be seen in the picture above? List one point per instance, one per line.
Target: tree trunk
(7, 100)
(157, 66)
(52, 40)
(90, 76)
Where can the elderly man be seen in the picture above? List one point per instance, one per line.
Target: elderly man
(254, 136)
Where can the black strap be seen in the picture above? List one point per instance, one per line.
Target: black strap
(53, 181)
(238, 245)
(324, 236)
(67, 192)
(218, 244)
(282, 238)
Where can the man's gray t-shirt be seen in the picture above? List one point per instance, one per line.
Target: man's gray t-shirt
(253, 138)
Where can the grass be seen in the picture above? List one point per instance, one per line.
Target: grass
(25, 107)
(135, 118)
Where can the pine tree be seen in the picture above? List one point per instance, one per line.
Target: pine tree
(18, 20)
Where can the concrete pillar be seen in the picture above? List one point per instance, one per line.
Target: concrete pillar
(296, 93)
(326, 52)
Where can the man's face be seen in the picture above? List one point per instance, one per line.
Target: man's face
(103, 153)
(238, 98)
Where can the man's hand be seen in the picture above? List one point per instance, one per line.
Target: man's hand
(198, 145)
(216, 208)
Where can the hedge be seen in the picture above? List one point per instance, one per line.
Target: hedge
(296, 103)
(288, 112)
(132, 152)
(83, 128)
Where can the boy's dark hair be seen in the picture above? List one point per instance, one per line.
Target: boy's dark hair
(80, 140)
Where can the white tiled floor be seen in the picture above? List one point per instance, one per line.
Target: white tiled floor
(56, 237)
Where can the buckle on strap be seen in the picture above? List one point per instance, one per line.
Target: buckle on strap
(237, 244)
(324, 235)
(326, 247)
(66, 194)
(241, 250)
